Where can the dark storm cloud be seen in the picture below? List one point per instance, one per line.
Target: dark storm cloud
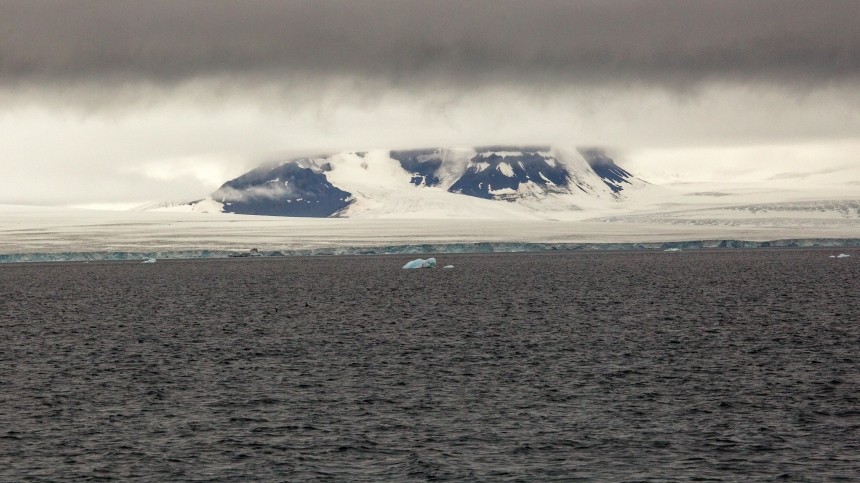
(445, 42)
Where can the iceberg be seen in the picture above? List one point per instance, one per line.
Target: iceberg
(149, 260)
(843, 255)
(448, 266)
(421, 263)
(672, 250)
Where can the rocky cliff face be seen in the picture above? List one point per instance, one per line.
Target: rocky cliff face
(289, 189)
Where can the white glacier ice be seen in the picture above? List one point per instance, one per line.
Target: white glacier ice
(66, 234)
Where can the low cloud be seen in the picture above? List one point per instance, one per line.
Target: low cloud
(209, 170)
(269, 191)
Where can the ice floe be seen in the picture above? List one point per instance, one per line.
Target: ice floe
(421, 263)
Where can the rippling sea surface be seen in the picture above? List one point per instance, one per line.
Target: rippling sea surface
(629, 366)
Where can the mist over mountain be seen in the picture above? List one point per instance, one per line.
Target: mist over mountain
(464, 180)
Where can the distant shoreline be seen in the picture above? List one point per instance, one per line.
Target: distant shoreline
(430, 248)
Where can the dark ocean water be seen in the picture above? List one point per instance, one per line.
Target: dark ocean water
(628, 366)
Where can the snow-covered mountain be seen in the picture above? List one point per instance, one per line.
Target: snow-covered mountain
(482, 182)
(438, 200)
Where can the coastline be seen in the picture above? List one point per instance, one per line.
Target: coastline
(428, 248)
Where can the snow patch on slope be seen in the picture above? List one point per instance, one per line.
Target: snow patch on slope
(383, 189)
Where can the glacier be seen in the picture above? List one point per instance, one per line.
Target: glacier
(66, 234)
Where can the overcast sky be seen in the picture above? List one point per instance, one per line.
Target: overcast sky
(127, 101)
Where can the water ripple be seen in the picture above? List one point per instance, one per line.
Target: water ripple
(705, 366)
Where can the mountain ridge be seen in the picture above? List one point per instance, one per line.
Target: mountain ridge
(429, 181)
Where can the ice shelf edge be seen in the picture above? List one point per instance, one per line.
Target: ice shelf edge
(488, 247)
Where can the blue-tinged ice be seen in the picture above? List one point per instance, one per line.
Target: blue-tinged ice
(417, 249)
(421, 263)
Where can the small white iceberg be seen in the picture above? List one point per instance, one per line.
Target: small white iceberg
(842, 255)
(672, 250)
(448, 266)
(421, 263)
(149, 260)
